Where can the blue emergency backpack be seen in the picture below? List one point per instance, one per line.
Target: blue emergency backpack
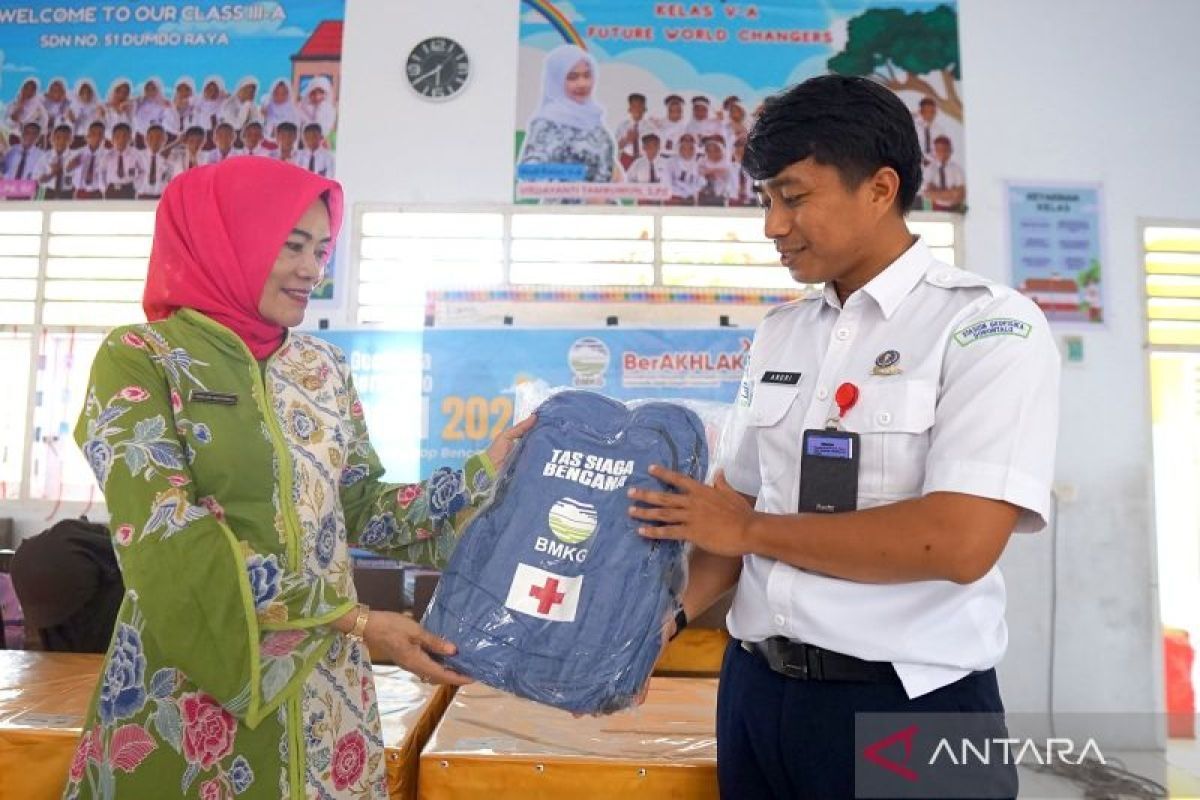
(552, 594)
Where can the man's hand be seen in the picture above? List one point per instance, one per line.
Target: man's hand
(714, 518)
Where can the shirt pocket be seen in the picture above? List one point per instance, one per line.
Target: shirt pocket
(778, 443)
(894, 426)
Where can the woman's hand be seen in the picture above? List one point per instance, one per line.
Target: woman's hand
(500, 449)
(401, 640)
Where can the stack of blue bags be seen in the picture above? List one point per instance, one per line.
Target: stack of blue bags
(552, 594)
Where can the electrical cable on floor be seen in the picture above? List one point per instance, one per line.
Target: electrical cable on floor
(1105, 781)
(1099, 780)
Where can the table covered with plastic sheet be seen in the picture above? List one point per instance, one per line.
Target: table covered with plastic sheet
(494, 746)
(44, 698)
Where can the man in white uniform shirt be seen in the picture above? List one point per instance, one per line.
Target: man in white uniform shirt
(650, 166)
(630, 131)
(937, 390)
(23, 161)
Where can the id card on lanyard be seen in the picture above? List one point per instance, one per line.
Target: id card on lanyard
(829, 462)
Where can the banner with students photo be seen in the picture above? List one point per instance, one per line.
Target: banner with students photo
(110, 101)
(636, 101)
(433, 397)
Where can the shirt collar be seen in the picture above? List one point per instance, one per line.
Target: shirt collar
(896, 282)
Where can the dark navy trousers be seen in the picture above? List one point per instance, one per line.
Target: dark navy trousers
(779, 738)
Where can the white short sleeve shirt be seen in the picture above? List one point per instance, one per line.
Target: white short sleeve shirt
(958, 392)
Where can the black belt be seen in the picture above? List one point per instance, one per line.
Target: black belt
(808, 662)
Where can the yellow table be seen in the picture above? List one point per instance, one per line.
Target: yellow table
(43, 699)
(492, 746)
(695, 653)
(44, 696)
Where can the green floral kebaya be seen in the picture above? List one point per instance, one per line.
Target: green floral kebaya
(235, 493)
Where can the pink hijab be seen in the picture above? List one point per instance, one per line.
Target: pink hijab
(217, 234)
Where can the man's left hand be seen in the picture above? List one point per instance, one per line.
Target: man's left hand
(714, 518)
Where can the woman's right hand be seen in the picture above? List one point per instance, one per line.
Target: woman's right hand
(401, 640)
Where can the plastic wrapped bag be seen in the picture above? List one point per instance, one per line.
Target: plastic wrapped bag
(552, 594)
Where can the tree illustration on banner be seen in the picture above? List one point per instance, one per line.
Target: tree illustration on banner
(901, 49)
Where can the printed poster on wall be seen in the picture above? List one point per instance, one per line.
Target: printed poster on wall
(112, 100)
(635, 101)
(1055, 243)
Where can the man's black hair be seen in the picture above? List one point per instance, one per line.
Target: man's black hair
(851, 124)
(286, 126)
(636, 96)
(313, 126)
(122, 126)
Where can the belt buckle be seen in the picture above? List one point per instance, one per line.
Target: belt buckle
(782, 665)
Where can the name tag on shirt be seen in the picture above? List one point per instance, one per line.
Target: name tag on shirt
(219, 398)
(781, 378)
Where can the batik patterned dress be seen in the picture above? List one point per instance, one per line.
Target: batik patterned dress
(235, 492)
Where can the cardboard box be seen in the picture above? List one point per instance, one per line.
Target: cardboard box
(408, 712)
(493, 746)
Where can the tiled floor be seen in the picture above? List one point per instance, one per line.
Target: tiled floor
(1178, 768)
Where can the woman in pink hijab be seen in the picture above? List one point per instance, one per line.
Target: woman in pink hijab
(237, 471)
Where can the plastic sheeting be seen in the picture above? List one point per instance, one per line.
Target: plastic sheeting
(493, 746)
(44, 698)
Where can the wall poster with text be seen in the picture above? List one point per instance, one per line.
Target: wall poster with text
(643, 102)
(113, 100)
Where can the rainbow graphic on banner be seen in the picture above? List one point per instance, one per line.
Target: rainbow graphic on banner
(558, 20)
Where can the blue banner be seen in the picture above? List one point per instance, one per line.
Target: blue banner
(432, 398)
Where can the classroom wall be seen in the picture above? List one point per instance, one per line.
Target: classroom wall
(1054, 92)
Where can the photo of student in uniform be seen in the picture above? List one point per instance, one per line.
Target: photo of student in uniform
(279, 108)
(631, 130)
(286, 134)
(704, 126)
(741, 190)
(85, 109)
(317, 107)
(88, 164)
(567, 128)
(182, 113)
(929, 127)
(54, 176)
(187, 152)
(716, 173)
(673, 125)
(737, 124)
(252, 140)
(684, 173)
(240, 108)
(211, 102)
(945, 183)
(121, 165)
(56, 102)
(886, 453)
(651, 167)
(118, 108)
(223, 138)
(152, 180)
(23, 160)
(26, 108)
(316, 157)
(152, 108)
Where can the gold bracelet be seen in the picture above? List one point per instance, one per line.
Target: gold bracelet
(360, 624)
